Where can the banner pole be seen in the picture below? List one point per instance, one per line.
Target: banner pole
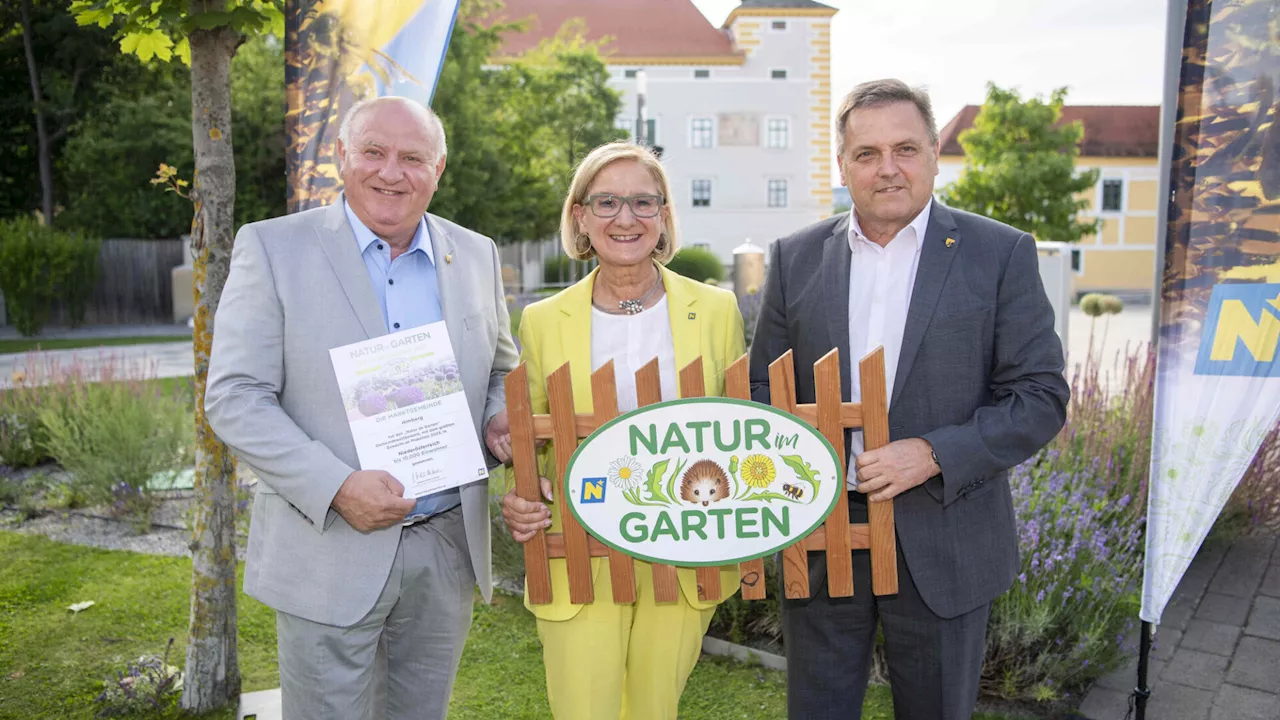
(1142, 692)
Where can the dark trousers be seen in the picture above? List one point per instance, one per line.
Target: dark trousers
(935, 663)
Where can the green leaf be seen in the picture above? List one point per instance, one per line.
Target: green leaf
(770, 496)
(671, 483)
(183, 51)
(803, 470)
(147, 45)
(653, 485)
(209, 20)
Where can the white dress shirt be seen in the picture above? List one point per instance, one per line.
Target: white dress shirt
(631, 342)
(880, 283)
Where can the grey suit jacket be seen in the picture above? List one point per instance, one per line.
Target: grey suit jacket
(298, 287)
(980, 377)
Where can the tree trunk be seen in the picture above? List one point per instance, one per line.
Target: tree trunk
(44, 153)
(212, 669)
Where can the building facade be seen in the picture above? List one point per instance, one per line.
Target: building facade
(1122, 143)
(741, 112)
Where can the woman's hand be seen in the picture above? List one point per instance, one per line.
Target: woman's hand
(524, 518)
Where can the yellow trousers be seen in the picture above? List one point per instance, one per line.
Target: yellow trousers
(627, 661)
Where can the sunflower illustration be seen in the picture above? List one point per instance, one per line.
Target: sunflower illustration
(625, 473)
(758, 471)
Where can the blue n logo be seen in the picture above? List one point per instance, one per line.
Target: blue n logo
(1241, 331)
(593, 490)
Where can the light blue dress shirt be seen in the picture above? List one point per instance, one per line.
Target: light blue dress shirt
(409, 296)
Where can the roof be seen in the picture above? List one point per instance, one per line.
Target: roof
(642, 32)
(1109, 130)
(779, 8)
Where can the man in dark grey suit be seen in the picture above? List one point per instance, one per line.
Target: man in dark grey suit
(975, 373)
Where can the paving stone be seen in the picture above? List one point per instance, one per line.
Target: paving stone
(1165, 643)
(1264, 621)
(1200, 572)
(1178, 613)
(1241, 703)
(1241, 571)
(1225, 609)
(1216, 638)
(1104, 704)
(1271, 583)
(1196, 669)
(1126, 677)
(1256, 664)
(1177, 702)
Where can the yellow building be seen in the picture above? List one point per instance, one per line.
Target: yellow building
(1122, 143)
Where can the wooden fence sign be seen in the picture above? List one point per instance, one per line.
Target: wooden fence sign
(702, 482)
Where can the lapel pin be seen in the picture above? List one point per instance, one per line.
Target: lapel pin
(448, 258)
(950, 242)
(693, 316)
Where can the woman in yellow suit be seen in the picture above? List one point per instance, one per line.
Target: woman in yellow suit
(610, 660)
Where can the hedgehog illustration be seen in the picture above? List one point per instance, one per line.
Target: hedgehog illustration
(704, 482)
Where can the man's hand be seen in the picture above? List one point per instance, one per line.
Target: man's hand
(895, 468)
(497, 436)
(525, 518)
(372, 500)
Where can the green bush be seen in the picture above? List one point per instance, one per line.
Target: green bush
(564, 270)
(113, 437)
(28, 276)
(39, 264)
(698, 264)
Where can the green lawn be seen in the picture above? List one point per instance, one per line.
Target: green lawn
(52, 661)
(27, 344)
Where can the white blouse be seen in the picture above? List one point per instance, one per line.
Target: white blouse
(631, 342)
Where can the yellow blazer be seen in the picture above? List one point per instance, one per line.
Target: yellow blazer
(705, 321)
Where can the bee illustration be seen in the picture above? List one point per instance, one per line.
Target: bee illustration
(792, 491)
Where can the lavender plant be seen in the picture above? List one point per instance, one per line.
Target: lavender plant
(146, 685)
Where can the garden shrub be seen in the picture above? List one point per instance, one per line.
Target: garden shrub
(561, 270)
(698, 264)
(39, 264)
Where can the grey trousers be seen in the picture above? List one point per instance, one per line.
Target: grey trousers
(398, 662)
(935, 663)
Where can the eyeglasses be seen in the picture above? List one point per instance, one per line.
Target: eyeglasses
(605, 205)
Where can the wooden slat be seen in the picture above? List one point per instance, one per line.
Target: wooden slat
(850, 414)
(555, 546)
(737, 384)
(826, 379)
(692, 384)
(816, 541)
(782, 395)
(577, 558)
(583, 425)
(622, 573)
(666, 586)
(875, 434)
(537, 571)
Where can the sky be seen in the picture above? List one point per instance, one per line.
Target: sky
(1107, 52)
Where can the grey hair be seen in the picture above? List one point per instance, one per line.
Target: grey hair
(875, 93)
(433, 121)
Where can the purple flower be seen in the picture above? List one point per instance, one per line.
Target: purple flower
(407, 395)
(371, 404)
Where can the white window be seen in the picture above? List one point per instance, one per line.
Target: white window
(702, 244)
(629, 73)
(700, 192)
(778, 25)
(702, 132)
(628, 125)
(778, 74)
(1112, 195)
(1077, 261)
(777, 193)
(701, 74)
(777, 133)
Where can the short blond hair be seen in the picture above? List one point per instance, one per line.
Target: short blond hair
(576, 243)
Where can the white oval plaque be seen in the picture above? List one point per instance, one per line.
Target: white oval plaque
(703, 481)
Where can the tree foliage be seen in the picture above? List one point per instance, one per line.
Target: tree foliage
(1020, 167)
(516, 131)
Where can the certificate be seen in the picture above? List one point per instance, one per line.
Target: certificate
(408, 413)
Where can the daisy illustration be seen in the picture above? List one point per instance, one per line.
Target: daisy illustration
(758, 471)
(625, 473)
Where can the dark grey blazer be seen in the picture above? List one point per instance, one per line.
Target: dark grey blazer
(980, 377)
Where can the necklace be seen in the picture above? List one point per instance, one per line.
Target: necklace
(632, 307)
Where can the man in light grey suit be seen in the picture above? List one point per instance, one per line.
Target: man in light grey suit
(975, 377)
(373, 591)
